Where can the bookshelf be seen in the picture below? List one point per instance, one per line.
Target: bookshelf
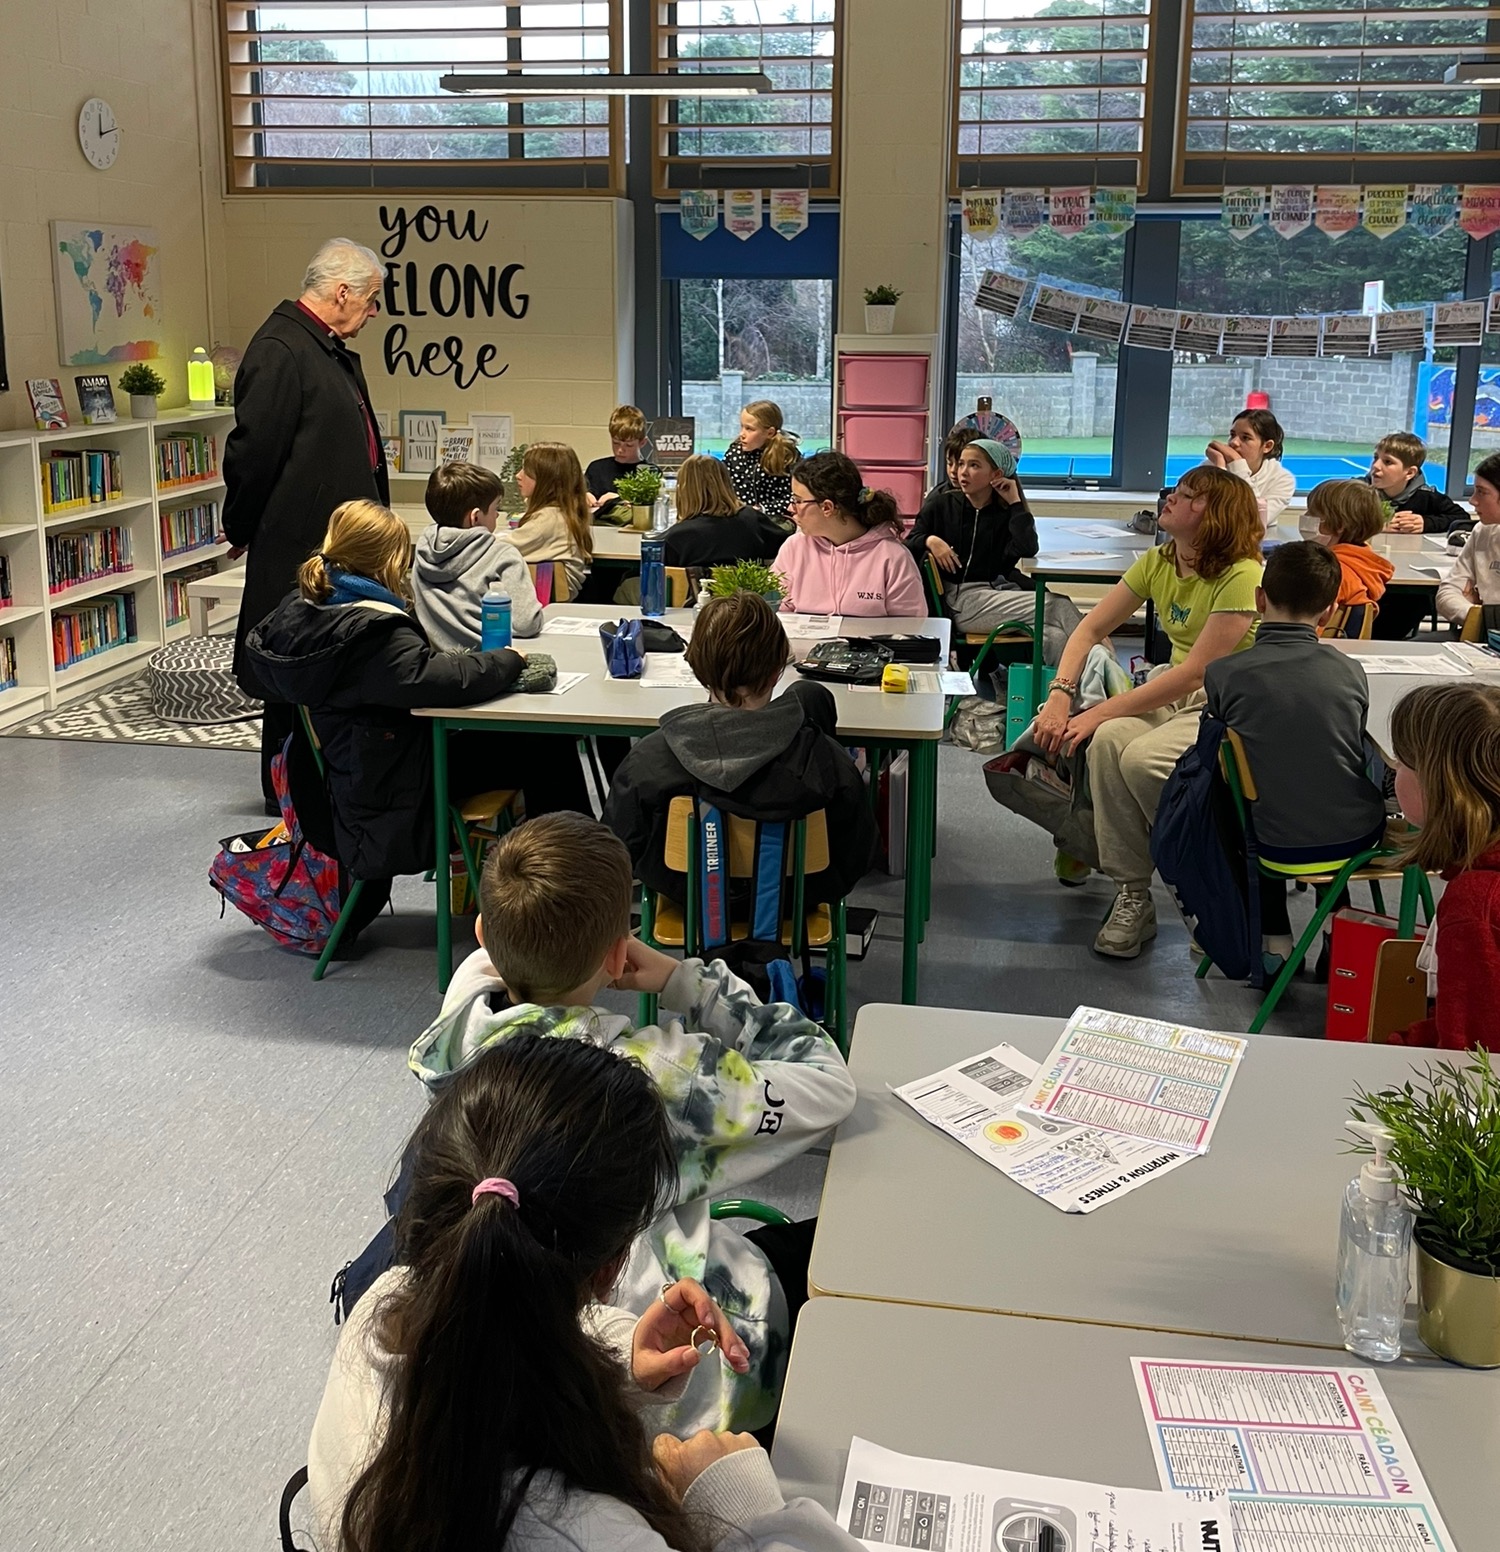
(96, 609)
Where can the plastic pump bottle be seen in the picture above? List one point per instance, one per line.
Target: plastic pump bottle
(1374, 1267)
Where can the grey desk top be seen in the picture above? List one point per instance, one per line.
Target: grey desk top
(1239, 1243)
(614, 543)
(1059, 1400)
(1386, 689)
(602, 702)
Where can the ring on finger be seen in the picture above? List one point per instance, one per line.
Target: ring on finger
(704, 1339)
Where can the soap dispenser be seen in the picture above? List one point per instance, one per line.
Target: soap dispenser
(1374, 1265)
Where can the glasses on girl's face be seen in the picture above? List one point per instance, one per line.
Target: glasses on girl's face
(804, 501)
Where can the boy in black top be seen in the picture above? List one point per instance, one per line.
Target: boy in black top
(1396, 474)
(627, 436)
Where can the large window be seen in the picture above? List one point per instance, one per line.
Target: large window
(1058, 389)
(341, 96)
(788, 135)
(1333, 409)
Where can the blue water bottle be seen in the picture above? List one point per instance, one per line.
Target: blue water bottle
(653, 578)
(494, 622)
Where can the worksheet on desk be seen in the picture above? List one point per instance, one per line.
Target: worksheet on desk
(1434, 667)
(1165, 1083)
(892, 1500)
(1075, 1168)
(572, 625)
(1311, 1457)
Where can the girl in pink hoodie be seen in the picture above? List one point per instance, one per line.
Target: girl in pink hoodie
(846, 556)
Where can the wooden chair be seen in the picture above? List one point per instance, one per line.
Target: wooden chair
(665, 924)
(1006, 636)
(1366, 867)
(678, 596)
(1338, 626)
(1473, 626)
(550, 579)
(475, 823)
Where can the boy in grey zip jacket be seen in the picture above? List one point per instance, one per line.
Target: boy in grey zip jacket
(747, 1086)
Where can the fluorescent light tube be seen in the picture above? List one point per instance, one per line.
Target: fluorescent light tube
(681, 84)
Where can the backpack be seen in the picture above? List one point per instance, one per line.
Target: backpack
(278, 879)
(1218, 895)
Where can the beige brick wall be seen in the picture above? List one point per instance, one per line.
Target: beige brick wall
(139, 55)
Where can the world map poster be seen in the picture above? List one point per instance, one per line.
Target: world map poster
(108, 285)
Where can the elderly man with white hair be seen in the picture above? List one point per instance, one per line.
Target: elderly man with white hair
(304, 440)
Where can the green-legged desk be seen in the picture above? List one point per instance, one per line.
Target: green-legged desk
(601, 705)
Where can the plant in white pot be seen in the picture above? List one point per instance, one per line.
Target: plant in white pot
(880, 309)
(1446, 1154)
(145, 387)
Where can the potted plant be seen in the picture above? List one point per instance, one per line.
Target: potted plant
(1446, 1155)
(511, 494)
(145, 387)
(639, 491)
(880, 309)
(748, 576)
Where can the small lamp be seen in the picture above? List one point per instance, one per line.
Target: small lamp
(200, 375)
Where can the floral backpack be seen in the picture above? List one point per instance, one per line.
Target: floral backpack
(277, 879)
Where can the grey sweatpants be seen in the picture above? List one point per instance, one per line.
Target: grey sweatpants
(977, 607)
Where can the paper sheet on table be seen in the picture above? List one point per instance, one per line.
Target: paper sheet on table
(812, 627)
(1483, 660)
(892, 1500)
(1166, 1083)
(1115, 531)
(1076, 1168)
(572, 625)
(1310, 1457)
(667, 671)
(934, 681)
(1434, 667)
(565, 682)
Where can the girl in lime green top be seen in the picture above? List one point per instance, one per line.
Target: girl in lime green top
(1203, 586)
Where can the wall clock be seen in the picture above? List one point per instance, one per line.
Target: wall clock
(98, 134)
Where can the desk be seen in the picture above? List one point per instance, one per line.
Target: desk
(1059, 1400)
(617, 546)
(1239, 1243)
(224, 587)
(1387, 689)
(601, 705)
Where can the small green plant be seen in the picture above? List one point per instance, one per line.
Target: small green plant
(138, 379)
(1446, 1155)
(882, 296)
(512, 465)
(1387, 511)
(746, 576)
(641, 488)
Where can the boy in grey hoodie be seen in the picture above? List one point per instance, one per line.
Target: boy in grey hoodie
(747, 1085)
(461, 558)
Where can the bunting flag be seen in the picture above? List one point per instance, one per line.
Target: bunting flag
(1291, 208)
(981, 213)
(1023, 211)
(742, 212)
(1114, 210)
(788, 212)
(698, 210)
(1338, 209)
(1243, 210)
(1479, 209)
(1000, 292)
(1070, 211)
(1385, 208)
(1434, 208)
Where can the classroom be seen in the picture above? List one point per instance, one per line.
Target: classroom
(750, 765)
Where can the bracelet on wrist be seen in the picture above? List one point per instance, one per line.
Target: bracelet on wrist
(1069, 687)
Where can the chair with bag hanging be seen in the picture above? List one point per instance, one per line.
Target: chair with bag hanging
(711, 850)
(1354, 622)
(1372, 867)
(550, 580)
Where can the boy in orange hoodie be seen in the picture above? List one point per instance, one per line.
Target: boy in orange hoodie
(1347, 515)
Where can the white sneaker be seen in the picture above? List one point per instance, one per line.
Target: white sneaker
(1130, 923)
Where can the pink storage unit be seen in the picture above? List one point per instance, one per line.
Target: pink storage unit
(876, 382)
(907, 485)
(890, 437)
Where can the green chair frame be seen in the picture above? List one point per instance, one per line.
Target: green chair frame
(1414, 887)
(1003, 635)
(743, 1207)
(836, 968)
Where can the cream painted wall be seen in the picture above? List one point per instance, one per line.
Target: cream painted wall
(140, 56)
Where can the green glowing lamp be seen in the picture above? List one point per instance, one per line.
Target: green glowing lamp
(200, 375)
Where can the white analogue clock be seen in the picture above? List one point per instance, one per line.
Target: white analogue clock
(98, 134)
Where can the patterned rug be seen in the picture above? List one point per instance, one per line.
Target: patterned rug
(122, 714)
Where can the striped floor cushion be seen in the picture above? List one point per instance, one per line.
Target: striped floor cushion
(192, 681)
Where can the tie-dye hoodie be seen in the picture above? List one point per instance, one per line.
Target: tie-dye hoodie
(747, 1086)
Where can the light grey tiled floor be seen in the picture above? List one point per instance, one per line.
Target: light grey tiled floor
(193, 1136)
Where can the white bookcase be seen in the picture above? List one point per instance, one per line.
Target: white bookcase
(25, 528)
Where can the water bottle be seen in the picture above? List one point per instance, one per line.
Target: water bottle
(494, 622)
(1374, 1265)
(661, 511)
(653, 579)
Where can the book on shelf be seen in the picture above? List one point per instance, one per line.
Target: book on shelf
(96, 399)
(7, 598)
(47, 408)
(81, 477)
(177, 589)
(184, 529)
(8, 678)
(185, 457)
(85, 554)
(82, 631)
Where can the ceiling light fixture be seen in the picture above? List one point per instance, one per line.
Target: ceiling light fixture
(681, 84)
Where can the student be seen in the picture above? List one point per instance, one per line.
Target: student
(627, 440)
(461, 558)
(713, 527)
(555, 524)
(1347, 515)
(481, 1396)
(747, 1086)
(745, 753)
(976, 534)
(1396, 473)
(846, 556)
(1253, 452)
(1475, 578)
(1446, 740)
(1202, 582)
(953, 444)
(1299, 710)
(759, 460)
